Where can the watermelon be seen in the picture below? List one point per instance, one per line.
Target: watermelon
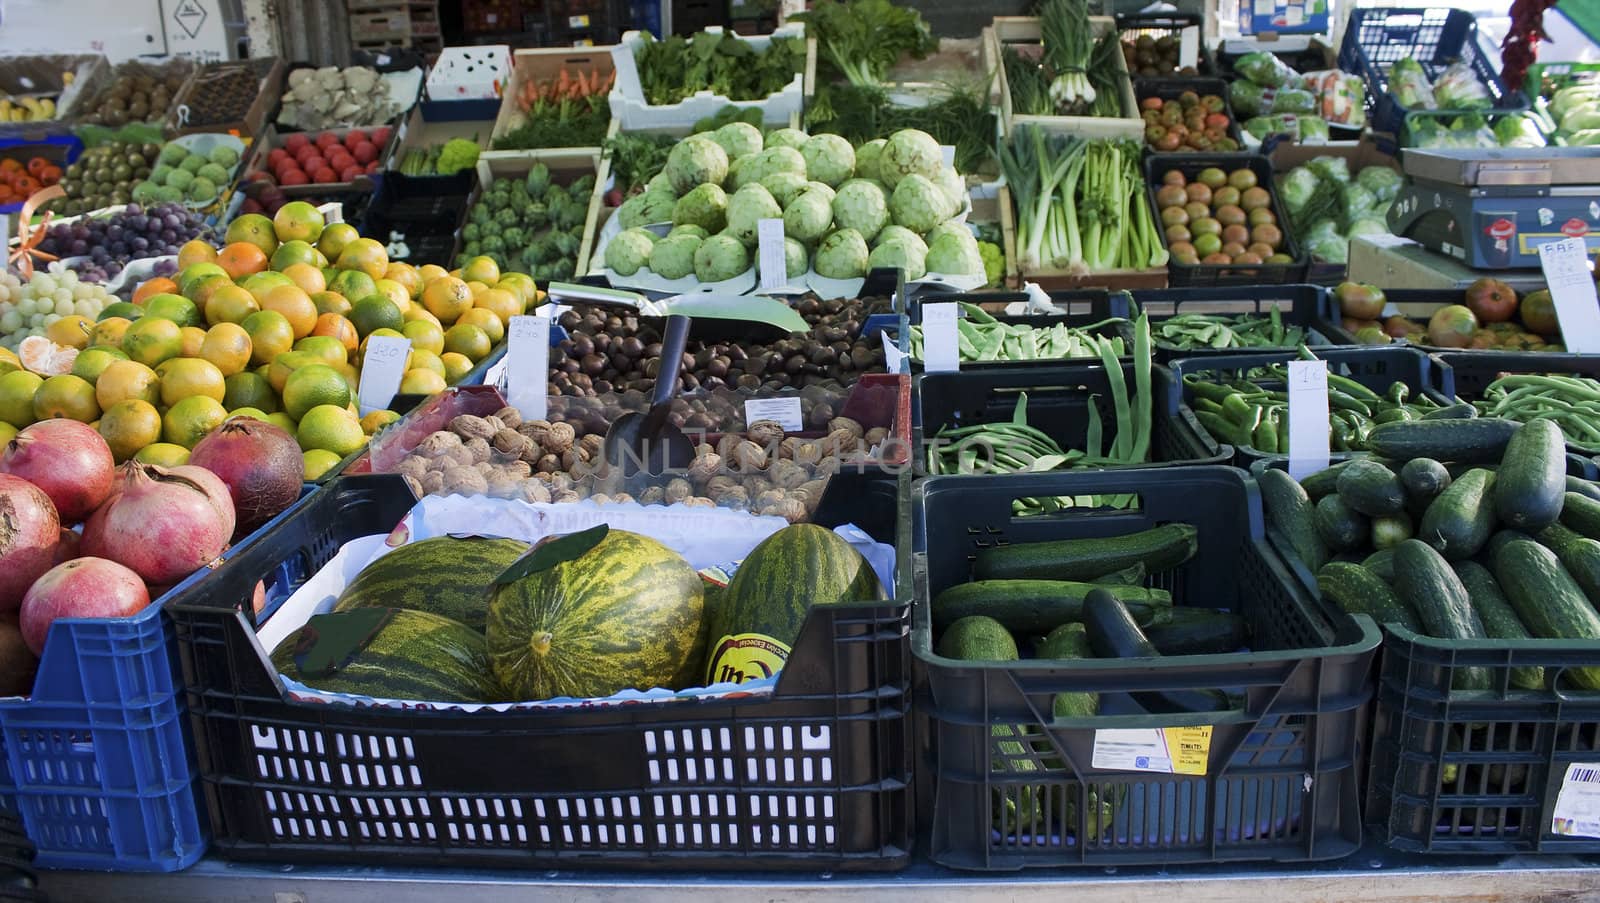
(755, 621)
(444, 575)
(625, 614)
(416, 656)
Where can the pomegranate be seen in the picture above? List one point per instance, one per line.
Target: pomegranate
(29, 531)
(163, 524)
(67, 546)
(81, 588)
(18, 664)
(68, 460)
(261, 465)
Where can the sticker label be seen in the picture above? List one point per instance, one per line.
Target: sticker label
(785, 411)
(772, 265)
(1571, 285)
(744, 657)
(940, 351)
(1160, 750)
(1308, 418)
(1577, 809)
(528, 366)
(381, 369)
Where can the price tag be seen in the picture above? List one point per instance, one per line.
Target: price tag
(577, 21)
(948, 153)
(893, 360)
(1161, 750)
(1566, 274)
(332, 212)
(1577, 809)
(381, 369)
(941, 353)
(1308, 417)
(785, 411)
(773, 268)
(528, 366)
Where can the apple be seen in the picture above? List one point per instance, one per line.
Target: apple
(1491, 300)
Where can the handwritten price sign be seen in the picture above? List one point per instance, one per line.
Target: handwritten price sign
(381, 369)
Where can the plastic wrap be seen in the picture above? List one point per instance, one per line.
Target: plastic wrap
(1343, 97)
(1266, 70)
(1410, 86)
(1458, 88)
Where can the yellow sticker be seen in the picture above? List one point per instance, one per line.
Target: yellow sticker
(744, 657)
(1160, 750)
(1188, 748)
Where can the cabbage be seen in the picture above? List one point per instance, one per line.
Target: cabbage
(1298, 188)
(1368, 226)
(1313, 130)
(1382, 181)
(1333, 169)
(1325, 243)
(1247, 98)
(1357, 201)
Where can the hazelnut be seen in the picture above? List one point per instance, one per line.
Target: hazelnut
(705, 467)
(510, 442)
(846, 424)
(468, 426)
(748, 455)
(765, 432)
(559, 438)
(533, 491)
(509, 416)
(678, 490)
(465, 481)
(653, 495)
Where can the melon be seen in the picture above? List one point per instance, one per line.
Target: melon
(415, 656)
(625, 614)
(756, 620)
(445, 575)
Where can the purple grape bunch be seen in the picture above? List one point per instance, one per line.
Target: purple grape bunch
(136, 232)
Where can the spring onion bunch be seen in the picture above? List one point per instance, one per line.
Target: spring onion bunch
(1068, 45)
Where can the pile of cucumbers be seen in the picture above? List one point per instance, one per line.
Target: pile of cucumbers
(1465, 529)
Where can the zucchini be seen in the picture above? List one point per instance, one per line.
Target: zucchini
(1581, 513)
(1423, 580)
(1460, 411)
(1480, 440)
(1579, 554)
(1035, 607)
(978, 639)
(1113, 634)
(1533, 477)
(1325, 481)
(1198, 631)
(1132, 575)
(1289, 511)
(1069, 641)
(1159, 549)
(1371, 488)
(1547, 599)
(1499, 619)
(1585, 488)
(1356, 590)
(1388, 532)
(1461, 519)
(1339, 526)
(1423, 479)
(1381, 564)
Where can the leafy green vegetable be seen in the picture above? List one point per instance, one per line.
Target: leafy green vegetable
(636, 158)
(961, 119)
(863, 39)
(673, 69)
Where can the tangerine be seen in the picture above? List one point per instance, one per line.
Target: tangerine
(241, 258)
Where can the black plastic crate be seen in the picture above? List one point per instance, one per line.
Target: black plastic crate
(1173, 24)
(1281, 780)
(1417, 305)
(1195, 274)
(1085, 307)
(1375, 367)
(426, 210)
(1306, 306)
(1473, 371)
(1058, 405)
(1169, 89)
(815, 776)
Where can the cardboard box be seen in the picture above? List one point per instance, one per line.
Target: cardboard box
(418, 132)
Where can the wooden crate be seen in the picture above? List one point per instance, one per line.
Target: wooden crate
(542, 63)
(1051, 278)
(1024, 30)
(565, 164)
(255, 119)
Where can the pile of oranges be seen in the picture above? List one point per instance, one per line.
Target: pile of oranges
(18, 180)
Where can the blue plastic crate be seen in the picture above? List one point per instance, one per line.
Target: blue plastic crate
(98, 762)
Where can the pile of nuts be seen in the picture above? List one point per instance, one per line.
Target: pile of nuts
(763, 471)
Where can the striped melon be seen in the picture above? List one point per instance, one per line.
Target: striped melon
(416, 656)
(758, 617)
(443, 575)
(625, 614)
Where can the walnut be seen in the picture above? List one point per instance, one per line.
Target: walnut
(792, 510)
(437, 444)
(566, 496)
(509, 416)
(533, 491)
(705, 467)
(845, 423)
(412, 466)
(519, 470)
(542, 477)
(548, 464)
(559, 481)
(727, 444)
(699, 501)
(621, 498)
(653, 495)
(510, 442)
(787, 474)
(811, 489)
(462, 457)
(592, 444)
(765, 432)
(757, 485)
(569, 458)
(808, 453)
(479, 449)
(495, 422)
(748, 455)
(433, 483)
(876, 435)
(465, 481)
(786, 448)
(840, 441)
(414, 486)
(600, 498)
(767, 499)
(703, 449)
(534, 429)
(559, 438)
(489, 471)
(827, 466)
(531, 453)
(468, 426)
(678, 490)
(732, 497)
(719, 483)
(502, 486)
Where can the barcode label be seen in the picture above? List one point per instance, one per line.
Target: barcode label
(1586, 775)
(1577, 809)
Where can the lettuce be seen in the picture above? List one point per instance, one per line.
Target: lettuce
(1382, 181)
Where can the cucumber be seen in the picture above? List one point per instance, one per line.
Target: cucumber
(1579, 554)
(1500, 538)
(1581, 513)
(1035, 607)
(1381, 564)
(1461, 411)
(1423, 580)
(1070, 641)
(1461, 519)
(1132, 575)
(1325, 481)
(1288, 510)
(1356, 590)
(1198, 631)
(1159, 549)
(978, 639)
(1585, 488)
(1481, 440)
(1533, 477)
(1499, 618)
(1372, 489)
(1113, 634)
(1339, 526)
(1388, 532)
(1547, 599)
(1423, 479)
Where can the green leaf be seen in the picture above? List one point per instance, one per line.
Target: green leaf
(552, 552)
(328, 642)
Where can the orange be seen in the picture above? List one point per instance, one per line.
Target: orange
(296, 307)
(184, 377)
(424, 336)
(110, 331)
(334, 238)
(73, 331)
(313, 385)
(469, 340)
(67, 397)
(227, 346)
(191, 275)
(477, 288)
(249, 390)
(241, 259)
(191, 338)
(316, 463)
(230, 304)
(422, 382)
(481, 269)
(418, 312)
(419, 359)
(456, 366)
(308, 277)
(501, 303)
(485, 320)
(157, 286)
(340, 328)
(270, 335)
(162, 454)
(375, 312)
(195, 251)
(520, 284)
(17, 389)
(395, 292)
(200, 292)
(259, 284)
(331, 428)
(255, 229)
(298, 221)
(290, 253)
(352, 284)
(285, 364)
(176, 308)
(151, 340)
(330, 303)
(365, 255)
(326, 347)
(191, 419)
(430, 272)
(129, 426)
(406, 275)
(122, 380)
(447, 298)
(44, 357)
(377, 420)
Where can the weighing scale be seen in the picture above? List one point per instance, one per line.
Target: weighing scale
(1493, 208)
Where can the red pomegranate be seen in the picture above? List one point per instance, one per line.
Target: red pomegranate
(163, 524)
(67, 546)
(29, 531)
(261, 465)
(68, 460)
(80, 588)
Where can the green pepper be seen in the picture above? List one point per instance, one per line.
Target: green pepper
(1343, 402)
(1265, 438)
(1240, 411)
(1391, 415)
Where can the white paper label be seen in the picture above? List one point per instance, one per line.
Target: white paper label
(1161, 750)
(528, 366)
(1577, 809)
(948, 153)
(784, 411)
(893, 360)
(332, 212)
(5, 241)
(940, 351)
(772, 267)
(1566, 274)
(381, 368)
(1308, 418)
